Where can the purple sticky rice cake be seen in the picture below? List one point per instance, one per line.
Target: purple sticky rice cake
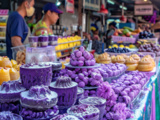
(10, 91)
(29, 114)
(88, 112)
(35, 74)
(66, 90)
(67, 117)
(6, 115)
(98, 102)
(38, 98)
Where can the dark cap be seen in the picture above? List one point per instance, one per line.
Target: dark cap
(52, 7)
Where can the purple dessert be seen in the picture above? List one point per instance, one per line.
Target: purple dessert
(67, 117)
(38, 98)
(43, 41)
(10, 91)
(98, 102)
(80, 94)
(55, 65)
(33, 40)
(88, 112)
(35, 74)
(53, 40)
(6, 115)
(66, 90)
(29, 114)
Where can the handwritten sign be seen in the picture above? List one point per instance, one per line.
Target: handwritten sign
(143, 10)
(4, 12)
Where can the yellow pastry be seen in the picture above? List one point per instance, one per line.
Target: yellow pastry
(112, 58)
(4, 73)
(119, 59)
(104, 59)
(125, 56)
(5, 62)
(145, 65)
(14, 74)
(132, 64)
(136, 57)
(152, 60)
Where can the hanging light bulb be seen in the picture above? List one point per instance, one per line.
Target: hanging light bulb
(58, 3)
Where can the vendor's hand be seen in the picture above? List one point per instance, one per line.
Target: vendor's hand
(16, 41)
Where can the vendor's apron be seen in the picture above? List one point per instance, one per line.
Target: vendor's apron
(26, 41)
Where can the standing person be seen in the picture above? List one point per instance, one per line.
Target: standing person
(95, 32)
(110, 32)
(50, 17)
(17, 29)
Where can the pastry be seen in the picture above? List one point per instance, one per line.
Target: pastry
(125, 56)
(132, 64)
(21, 57)
(53, 40)
(136, 57)
(88, 112)
(43, 41)
(39, 115)
(35, 74)
(148, 56)
(5, 76)
(145, 65)
(98, 102)
(66, 90)
(38, 98)
(6, 115)
(10, 91)
(104, 59)
(10, 96)
(112, 58)
(67, 117)
(119, 59)
(5, 62)
(14, 74)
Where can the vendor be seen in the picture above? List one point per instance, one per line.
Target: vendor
(51, 13)
(110, 32)
(17, 29)
(95, 32)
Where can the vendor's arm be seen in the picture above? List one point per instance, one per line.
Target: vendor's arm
(16, 41)
(17, 32)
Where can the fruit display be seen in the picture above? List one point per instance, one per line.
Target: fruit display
(118, 50)
(81, 57)
(131, 46)
(111, 70)
(145, 35)
(150, 48)
(84, 77)
(71, 43)
(128, 86)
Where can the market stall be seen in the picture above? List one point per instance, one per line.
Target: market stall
(110, 86)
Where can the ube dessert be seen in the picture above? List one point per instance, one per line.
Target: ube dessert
(10, 91)
(82, 58)
(55, 65)
(53, 40)
(98, 102)
(67, 117)
(88, 112)
(35, 74)
(7, 115)
(38, 98)
(10, 96)
(29, 114)
(33, 40)
(66, 90)
(43, 41)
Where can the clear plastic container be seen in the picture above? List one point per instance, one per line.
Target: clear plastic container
(41, 54)
(15, 50)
